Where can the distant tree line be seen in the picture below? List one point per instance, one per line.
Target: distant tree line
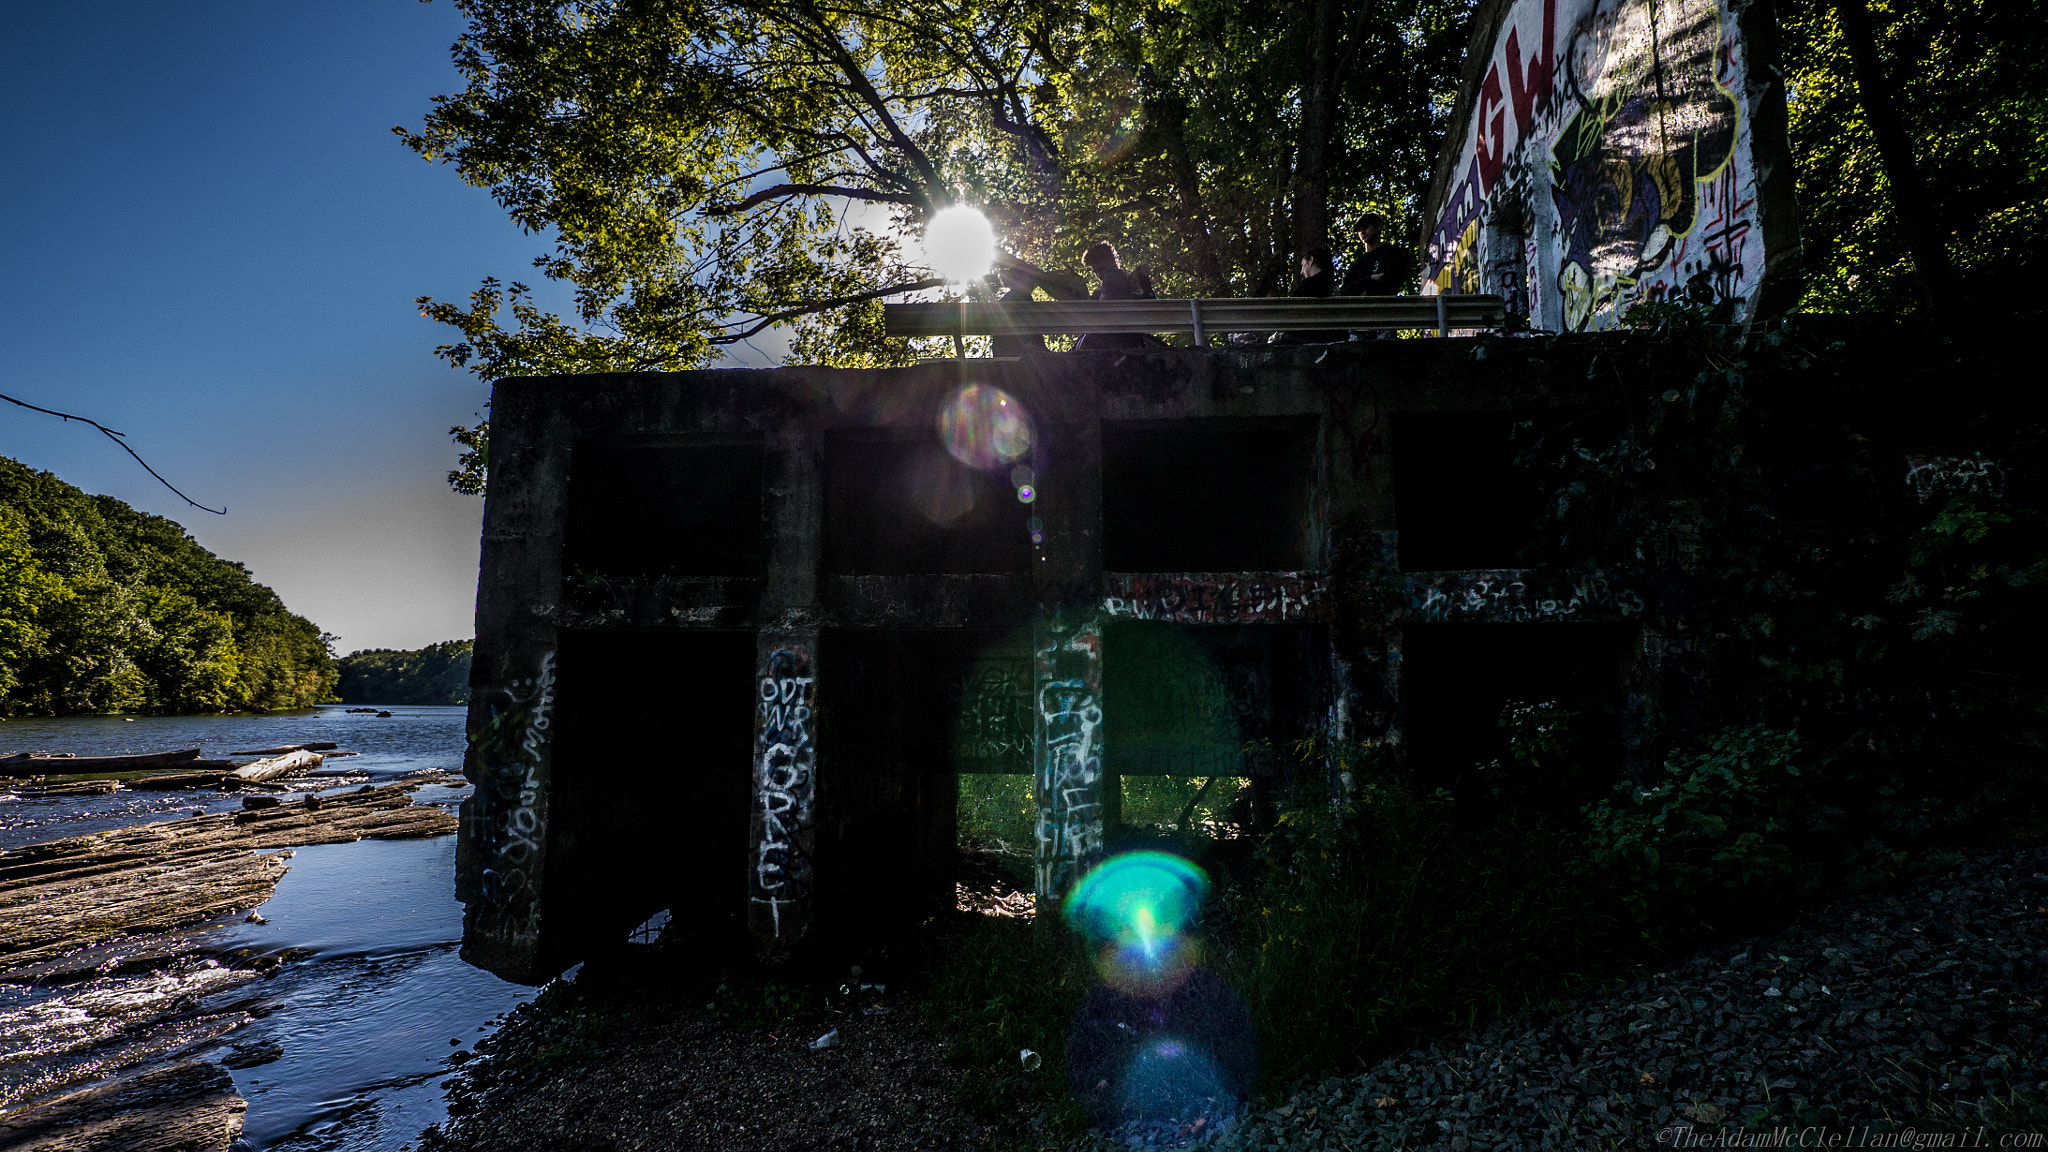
(105, 609)
(436, 674)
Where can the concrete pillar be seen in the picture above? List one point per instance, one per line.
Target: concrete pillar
(502, 855)
(783, 832)
(1067, 777)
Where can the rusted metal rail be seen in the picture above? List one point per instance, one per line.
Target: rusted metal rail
(1201, 318)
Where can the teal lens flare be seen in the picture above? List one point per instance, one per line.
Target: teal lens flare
(1135, 910)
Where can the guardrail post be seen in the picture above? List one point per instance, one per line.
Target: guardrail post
(1195, 315)
(1439, 314)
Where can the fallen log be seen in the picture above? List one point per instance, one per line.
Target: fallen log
(277, 766)
(83, 788)
(60, 895)
(191, 1107)
(40, 764)
(310, 746)
(175, 781)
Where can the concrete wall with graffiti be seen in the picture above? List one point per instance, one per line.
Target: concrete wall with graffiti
(1607, 153)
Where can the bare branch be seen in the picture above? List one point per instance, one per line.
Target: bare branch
(768, 320)
(116, 438)
(783, 191)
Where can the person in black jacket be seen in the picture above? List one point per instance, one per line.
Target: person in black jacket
(1318, 281)
(1381, 269)
(1115, 284)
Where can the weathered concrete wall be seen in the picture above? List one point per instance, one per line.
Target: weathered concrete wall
(738, 631)
(1612, 152)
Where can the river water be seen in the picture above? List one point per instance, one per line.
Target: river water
(346, 1045)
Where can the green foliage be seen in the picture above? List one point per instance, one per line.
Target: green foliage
(711, 169)
(1842, 537)
(1000, 985)
(436, 674)
(106, 609)
(1716, 828)
(1972, 86)
(996, 811)
(1362, 924)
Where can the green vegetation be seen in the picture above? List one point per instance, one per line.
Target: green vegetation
(106, 609)
(436, 674)
(1967, 82)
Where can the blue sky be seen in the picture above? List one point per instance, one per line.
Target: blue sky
(214, 245)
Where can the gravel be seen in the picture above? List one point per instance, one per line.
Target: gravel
(1913, 1012)
(1917, 1011)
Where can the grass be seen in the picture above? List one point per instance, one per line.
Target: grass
(1346, 933)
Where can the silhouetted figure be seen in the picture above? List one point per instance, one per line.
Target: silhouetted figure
(1020, 289)
(1381, 269)
(1318, 281)
(1115, 284)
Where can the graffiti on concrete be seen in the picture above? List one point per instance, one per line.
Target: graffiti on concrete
(1510, 597)
(1931, 476)
(993, 733)
(1068, 777)
(509, 820)
(1606, 141)
(785, 781)
(1278, 598)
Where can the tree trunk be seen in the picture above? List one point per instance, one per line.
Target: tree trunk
(1924, 238)
(1170, 118)
(1319, 126)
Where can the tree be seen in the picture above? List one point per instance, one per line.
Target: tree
(1948, 95)
(710, 169)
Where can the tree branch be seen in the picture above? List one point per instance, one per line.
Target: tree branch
(782, 191)
(768, 320)
(116, 438)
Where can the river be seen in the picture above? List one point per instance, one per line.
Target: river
(346, 1045)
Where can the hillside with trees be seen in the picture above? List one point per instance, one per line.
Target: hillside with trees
(436, 674)
(105, 609)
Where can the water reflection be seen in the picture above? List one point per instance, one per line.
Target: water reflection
(346, 1045)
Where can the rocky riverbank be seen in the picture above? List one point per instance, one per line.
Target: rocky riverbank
(1917, 1009)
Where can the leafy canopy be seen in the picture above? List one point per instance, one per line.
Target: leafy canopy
(711, 169)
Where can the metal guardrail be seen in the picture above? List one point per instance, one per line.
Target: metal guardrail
(1200, 317)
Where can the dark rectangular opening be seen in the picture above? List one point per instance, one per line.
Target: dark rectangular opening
(648, 803)
(900, 713)
(1459, 500)
(1458, 681)
(660, 506)
(1223, 700)
(897, 506)
(1206, 495)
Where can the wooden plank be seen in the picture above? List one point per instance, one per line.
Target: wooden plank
(1227, 315)
(31, 764)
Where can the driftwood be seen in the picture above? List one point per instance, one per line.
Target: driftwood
(82, 788)
(65, 894)
(188, 1107)
(286, 765)
(309, 746)
(34, 764)
(176, 781)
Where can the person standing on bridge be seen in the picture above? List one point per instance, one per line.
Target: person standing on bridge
(1114, 284)
(1318, 281)
(1381, 269)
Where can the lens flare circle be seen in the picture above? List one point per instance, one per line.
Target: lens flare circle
(984, 427)
(1134, 910)
(959, 244)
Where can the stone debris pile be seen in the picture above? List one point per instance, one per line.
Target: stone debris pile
(1917, 1009)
